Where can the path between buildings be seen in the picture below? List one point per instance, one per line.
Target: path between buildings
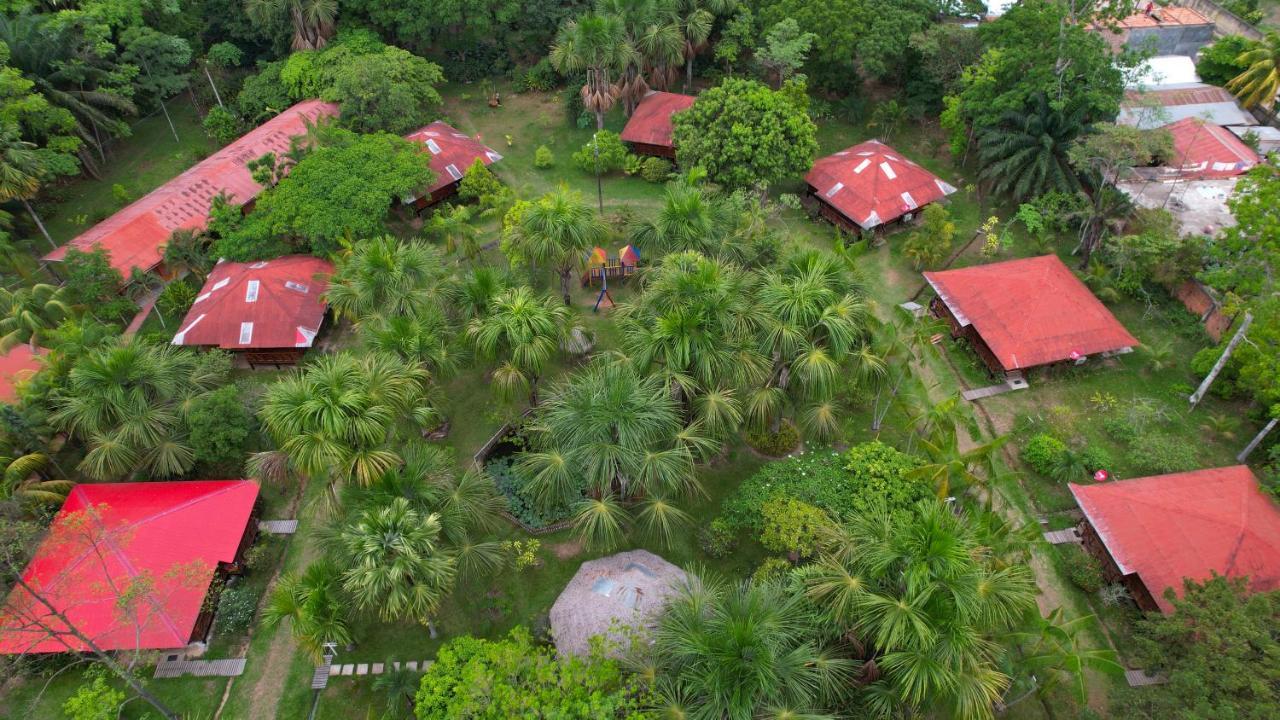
(144, 309)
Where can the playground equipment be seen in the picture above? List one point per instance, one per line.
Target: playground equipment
(601, 267)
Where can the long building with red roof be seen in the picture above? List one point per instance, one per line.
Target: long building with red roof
(452, 152)
(1152, 533)
(650, 130)
(168, 539)
(870, 185)
(270, 311)
(1202, 150)
(17, 366)
(1024, 313)
(135, 236)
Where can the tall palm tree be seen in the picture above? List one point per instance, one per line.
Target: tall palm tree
(661, 44)
(187, 250)
(313, 20)
(455, 230)
(1025, 153)
(696, 19)
(949, 467)
(559, 229)
(28, 313)
(313, 603)
(384, 276)
(595, 46)
(20, 174)
(924, 601)
(742, 651)
(689, 219)
(523, 333)
(425, 338)
(1260, 80)
(23, 479)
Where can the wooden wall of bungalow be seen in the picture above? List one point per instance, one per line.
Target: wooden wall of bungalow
(662, 151)
(204, 621)
(940, 310)
(1111, 573)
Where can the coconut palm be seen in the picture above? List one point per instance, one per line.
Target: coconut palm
(20, 174)
(187, 250)
(922, 601)
(949, 467)
(559, 229)
(28, 314)
(1260, 80)
(384, 276)
(313, 20)
(595, 46)
(689, 219)
(523, 333)
(742, 651)
(24, 480)
(315, 606)
(1025, 153)
(1058, 652)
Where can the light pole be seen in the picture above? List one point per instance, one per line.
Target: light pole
(595, 146)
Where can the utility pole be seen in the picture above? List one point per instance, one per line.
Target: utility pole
(595, 144)
(1198, 395)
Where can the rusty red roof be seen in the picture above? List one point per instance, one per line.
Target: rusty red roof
(452, 152)
(135, 235)
(1031, 311)
(872, 184)
(650, 123)
(1187, 525)
(1205, 150)
(171, 535)
(269, 304)
(17, 366)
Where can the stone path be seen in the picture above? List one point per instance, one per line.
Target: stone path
(231, 667)
(144, 309)
(278, 527)
(376, 668)
(1060, 537)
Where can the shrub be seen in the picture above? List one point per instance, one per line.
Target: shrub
(480, 184)
(221, 125)
(867, 476)
(258, 555)
(219, 425)
(632, 165)
(613, 154)
(792, 526)
(1096, 458)
(176, 298)
(775, 444)
(771, 570)
(717, 538)
(235, 609)
(1042, 453)
(655, 169)
(1159, 453)
(1082, 569)
(790, 201)
(542, 158)
(512, 483)
(540, 77)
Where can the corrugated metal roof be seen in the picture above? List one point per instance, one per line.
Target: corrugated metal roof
(650, 123)
(452, 152)
(1031, 311)
(1204, 150)
(17, 366)
(133, 237)
(871, 183)
(1187, 525)
(174, 534)
(263, 305)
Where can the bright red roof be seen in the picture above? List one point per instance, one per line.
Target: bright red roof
(270, 304)
(1205, 150)
(452, 152)
(173, 534)
(134, 236)
(1187, 525)
(650, 123)
(872, 184)
(16, 366)
(1031, 311)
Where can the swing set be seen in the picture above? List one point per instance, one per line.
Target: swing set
(601, 267)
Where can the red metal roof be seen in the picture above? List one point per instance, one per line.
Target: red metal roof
(16, 366)
(872, 184)
(452, 152)
(1187, 525)
(1205, 150)
(134, 236)
(270, 304)
(1031, 311)
(169, 534)
(650, 123)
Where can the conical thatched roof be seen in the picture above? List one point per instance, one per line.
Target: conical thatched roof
(625, 590)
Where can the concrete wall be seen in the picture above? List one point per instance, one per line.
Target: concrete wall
(1226, 22)
(1172, 39)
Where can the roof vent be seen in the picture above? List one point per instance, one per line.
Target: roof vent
(251, 291)
(258, 265)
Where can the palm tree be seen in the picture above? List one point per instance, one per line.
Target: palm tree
(949, 467)
(594, 45)
(23, 480)
(1025, 153)
(742, 650)
(469, 295)
(696, 18)
(384, 276)
(922, 600)
(425, 339)
(398, 686)
(20, 174)
(27, 314)
(522, 332)
(1057, 652)
(313, 20)
(559, 229)
(313, 603)
(187, 250)
(454, 228)
(1260, 80)
(690, 219)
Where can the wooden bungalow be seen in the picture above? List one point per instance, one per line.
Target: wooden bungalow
(649, 131)
(452, 152)
(871, 185)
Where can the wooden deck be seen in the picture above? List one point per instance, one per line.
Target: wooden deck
(1141, 678)
(278, 527)
(1061, 537)
(231, 667)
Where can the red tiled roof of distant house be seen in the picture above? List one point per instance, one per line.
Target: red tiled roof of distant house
(16, 366)
(452, 152)
(170, 535)
(872, 184)
(650, 123)
(1187, 525)
(270, 304)
(134, 236)
(1205, 150)
(1031, 311)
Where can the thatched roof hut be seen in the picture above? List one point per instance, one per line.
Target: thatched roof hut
(627, 590)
